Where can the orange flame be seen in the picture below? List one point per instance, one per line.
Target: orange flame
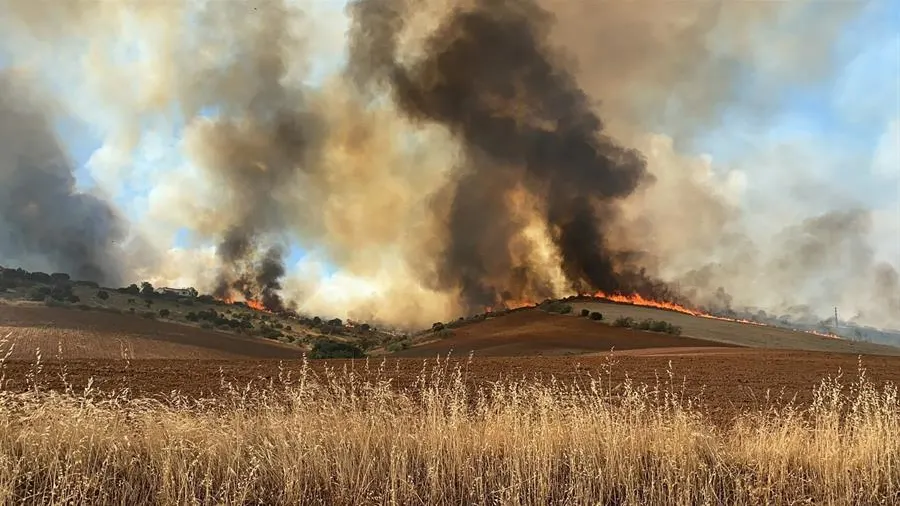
(637, 300)
(255, 304)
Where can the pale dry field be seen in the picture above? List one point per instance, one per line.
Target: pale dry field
(738, 334)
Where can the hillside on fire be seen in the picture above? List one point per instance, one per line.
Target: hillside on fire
(23, 294)
(570, 326)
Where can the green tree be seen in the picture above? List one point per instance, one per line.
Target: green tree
(146, 289)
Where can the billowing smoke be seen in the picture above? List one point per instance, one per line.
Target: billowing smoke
(468, 154)
(45, 223)
(489, 76)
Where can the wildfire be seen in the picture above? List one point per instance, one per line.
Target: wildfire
(251, 303)
(255, 304)
(637, 300)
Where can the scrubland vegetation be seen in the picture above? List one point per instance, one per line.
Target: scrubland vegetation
(336, 438)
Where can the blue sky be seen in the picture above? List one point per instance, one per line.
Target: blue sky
(844, 116)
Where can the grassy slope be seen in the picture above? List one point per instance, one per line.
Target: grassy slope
(738, 333)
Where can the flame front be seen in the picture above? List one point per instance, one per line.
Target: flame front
(637, 300)
(255, 304)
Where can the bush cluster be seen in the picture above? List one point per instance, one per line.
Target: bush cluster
(555, 306)
(648, 325)
(326, 348)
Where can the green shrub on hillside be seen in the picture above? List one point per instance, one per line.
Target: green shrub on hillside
(556, 306)
(335, 349)
(648, 325)
(623, 321)
(585, 313)
(596, 316)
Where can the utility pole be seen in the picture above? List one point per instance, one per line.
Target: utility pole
(835, 318)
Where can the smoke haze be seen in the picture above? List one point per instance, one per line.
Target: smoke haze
(466, 154)
(45, 223)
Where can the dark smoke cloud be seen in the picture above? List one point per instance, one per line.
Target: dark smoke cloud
(489, 76)
(252, 155)
(45, 222)
(253, 275)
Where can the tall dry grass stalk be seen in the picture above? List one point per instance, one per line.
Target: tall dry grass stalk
(337, 438)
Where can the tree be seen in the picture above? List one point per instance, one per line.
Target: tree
(102, 295)
(60, 277)
(146, 289)
(132, 289)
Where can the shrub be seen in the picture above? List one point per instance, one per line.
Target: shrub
(40, 277)
(54, 303)
(398, 346)
(288, 328)
(163, 313)
(60, 277)
(623, 321)
(39, 293)
(437, 327)
(192, 317)
(132, 289)
(206, 299)
(660, 326)
(102, 295)
(596, 316)
(585, 313)
(150, 315)
(335, 349)
(206, 325)
(556, 306)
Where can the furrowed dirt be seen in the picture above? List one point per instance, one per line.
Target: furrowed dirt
(726, 381)
(72, 334)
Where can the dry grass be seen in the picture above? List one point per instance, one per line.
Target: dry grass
(335, 438)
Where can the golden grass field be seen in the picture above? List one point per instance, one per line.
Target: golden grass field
(339, 437)
(94, 410)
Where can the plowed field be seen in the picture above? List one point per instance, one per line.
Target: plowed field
(71, 334)
(726, 381)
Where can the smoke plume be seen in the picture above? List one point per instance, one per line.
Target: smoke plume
(491, 79)
(467, 154)
(45, 223)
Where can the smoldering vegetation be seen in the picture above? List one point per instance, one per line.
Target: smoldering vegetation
(468, 154)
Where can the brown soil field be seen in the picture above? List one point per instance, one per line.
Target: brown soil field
(536, 333)
(738, 334)
(71, 334)
(726, 382)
